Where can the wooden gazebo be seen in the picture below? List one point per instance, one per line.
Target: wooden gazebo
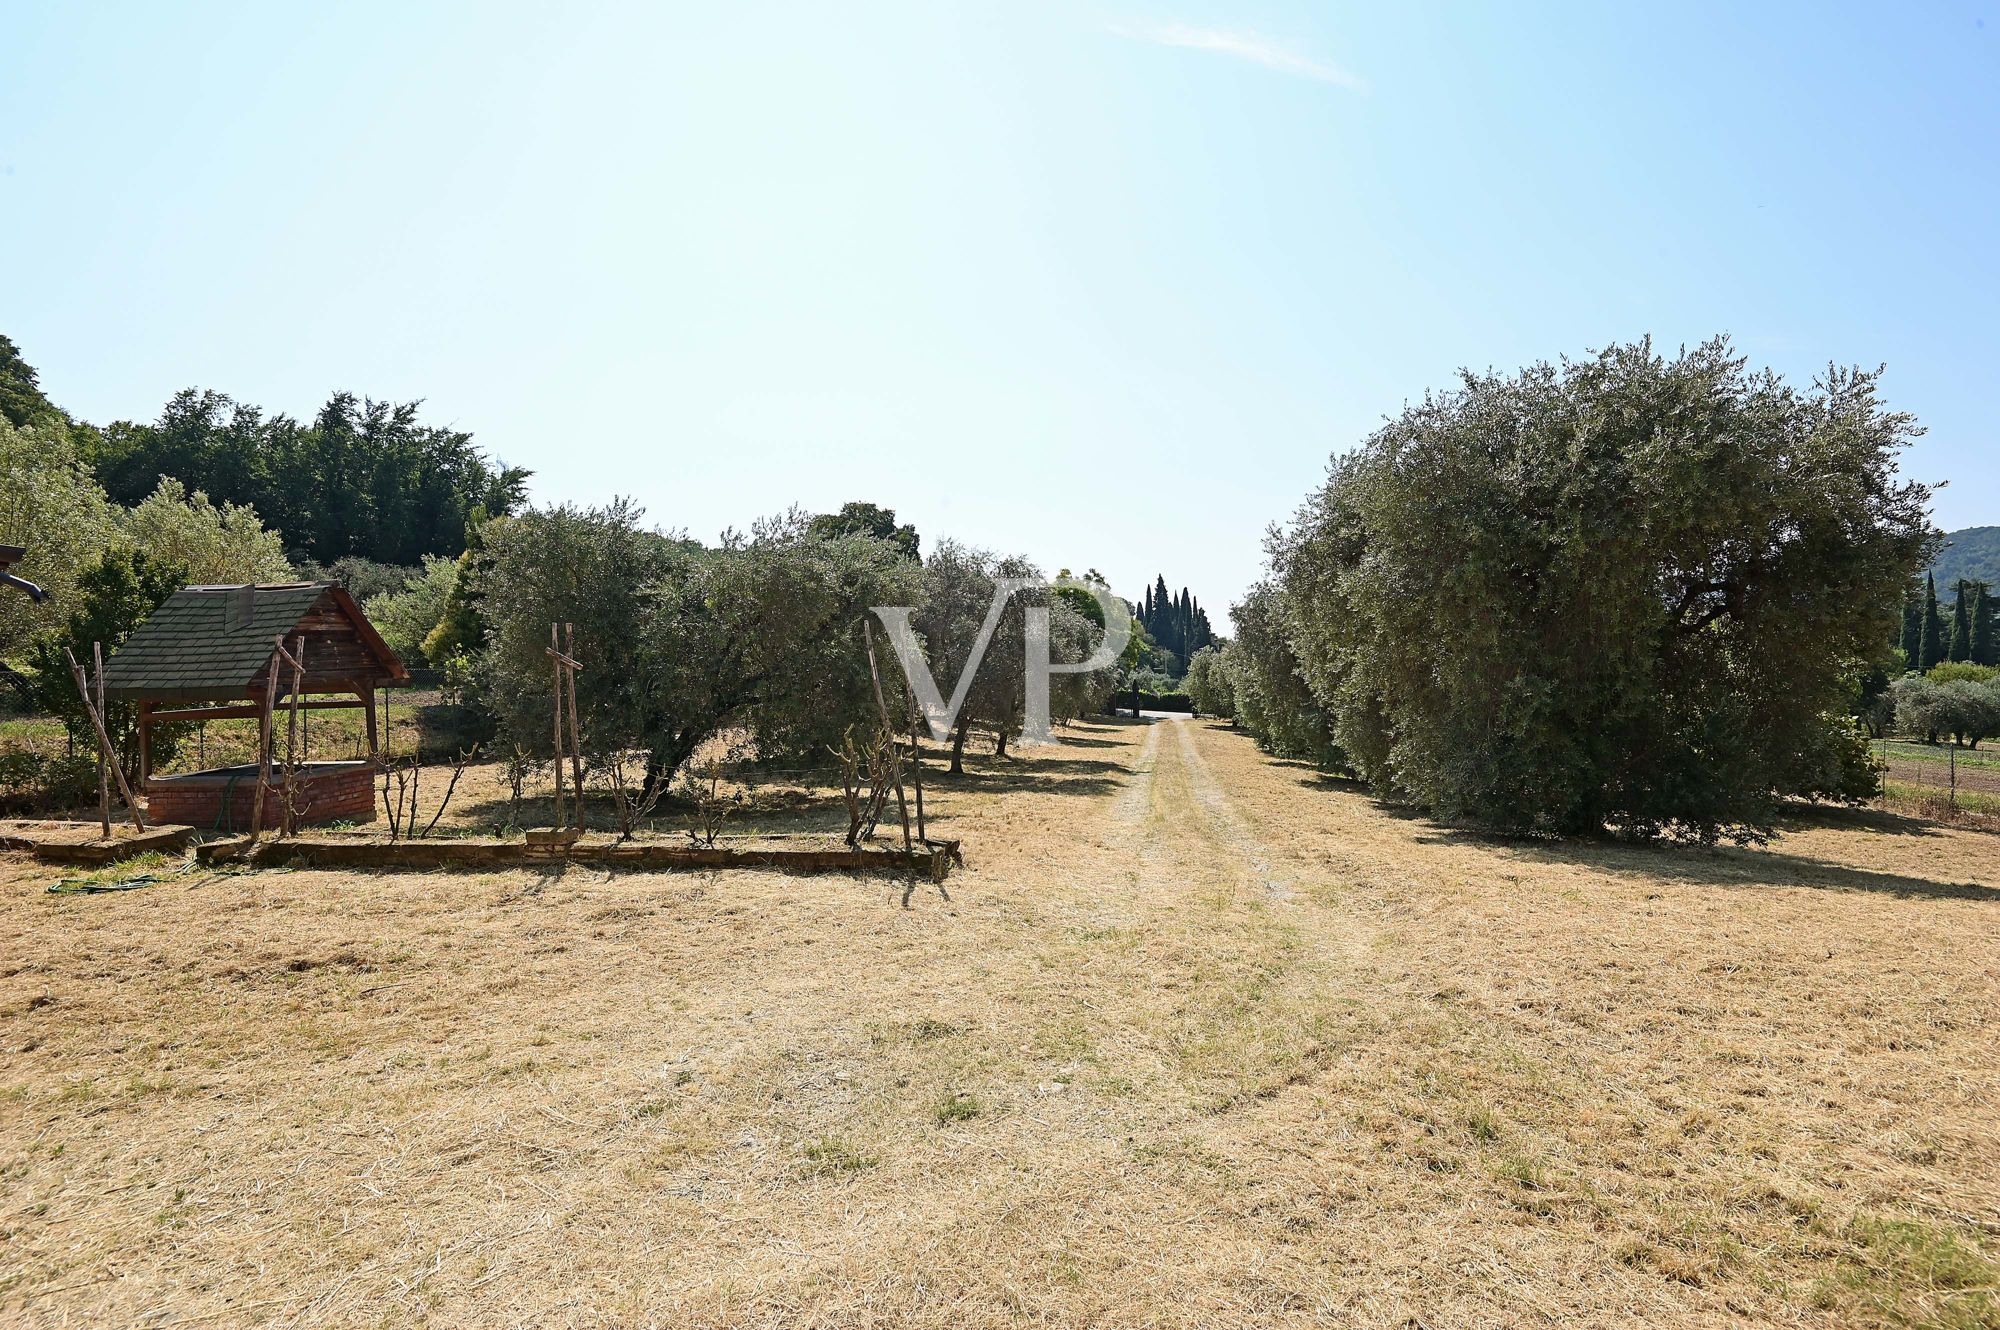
(208, 654)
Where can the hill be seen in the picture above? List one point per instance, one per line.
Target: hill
(1973, 553)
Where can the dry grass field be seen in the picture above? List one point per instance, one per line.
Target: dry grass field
(1197, 1038)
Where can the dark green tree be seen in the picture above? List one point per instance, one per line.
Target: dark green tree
(1912, 637)
(1985, 649)
(1960, 646)
(365, 478)
(1931, 644)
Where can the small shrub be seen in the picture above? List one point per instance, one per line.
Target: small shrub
(955, 1107)
(830, 1155)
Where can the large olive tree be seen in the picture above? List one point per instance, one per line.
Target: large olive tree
(1625, 591)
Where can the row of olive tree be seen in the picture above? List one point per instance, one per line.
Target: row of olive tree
(1628, 591)
(761, 633)
(1967, 710)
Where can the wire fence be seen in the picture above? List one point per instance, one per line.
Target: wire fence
(1940, 776)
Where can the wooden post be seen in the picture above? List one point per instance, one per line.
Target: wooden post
(146, 743)
(575, 729)
(368, 710)
(916, 760)
(264, 745)
(555, 651)
(103, 776)
(293, 739)
(104, 739)
(889, 730)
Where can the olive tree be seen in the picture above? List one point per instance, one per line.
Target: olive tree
(957, 597)
(1966, 709)
(679, 641)
(1208, 684)
(1626, 591)
(765, 631)
(1268, 687)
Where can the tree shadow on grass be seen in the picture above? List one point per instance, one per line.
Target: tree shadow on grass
(1801, 816)
(1709, 865)
(1044, 775)
(1717, 866)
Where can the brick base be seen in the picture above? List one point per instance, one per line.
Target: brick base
(222, 799)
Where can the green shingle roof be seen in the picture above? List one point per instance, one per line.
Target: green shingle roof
(202, 643)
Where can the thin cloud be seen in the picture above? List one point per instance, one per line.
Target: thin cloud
(1242, 44)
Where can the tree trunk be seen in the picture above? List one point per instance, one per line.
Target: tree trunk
(1000, 743)
(665, 758)
(958, 748)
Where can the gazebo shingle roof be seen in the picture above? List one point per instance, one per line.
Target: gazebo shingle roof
(214, 642)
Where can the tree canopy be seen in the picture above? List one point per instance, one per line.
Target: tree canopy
(363, 478)
(1625, 591)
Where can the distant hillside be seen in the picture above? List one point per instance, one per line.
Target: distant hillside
(1973, 553)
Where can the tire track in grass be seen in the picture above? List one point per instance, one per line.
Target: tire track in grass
(1233, 834)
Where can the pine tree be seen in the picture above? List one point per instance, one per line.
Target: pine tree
(1930, 646)
(1960, 647)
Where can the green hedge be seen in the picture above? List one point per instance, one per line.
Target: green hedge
(1152, 701)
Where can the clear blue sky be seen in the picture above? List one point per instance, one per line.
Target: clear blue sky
(1102, 283)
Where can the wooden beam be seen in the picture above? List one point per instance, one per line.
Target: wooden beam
(250, 712)
(264, 751)
(289, 825)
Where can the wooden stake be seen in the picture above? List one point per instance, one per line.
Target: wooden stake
(104, 739)
(264, 718)
(888, 729)
(293, 739)
(103, 776)
(575, 732)
(555, 649)
(916, 760)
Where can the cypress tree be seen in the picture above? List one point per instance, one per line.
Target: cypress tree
(1930, 646)
(1961, 622)
(1985, 651)
(1913, 627)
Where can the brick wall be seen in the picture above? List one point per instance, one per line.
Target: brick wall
(338, 794)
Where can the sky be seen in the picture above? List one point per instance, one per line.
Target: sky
(1104, 284)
